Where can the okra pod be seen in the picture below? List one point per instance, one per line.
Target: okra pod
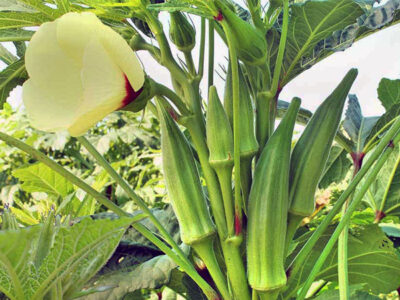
(268, 207)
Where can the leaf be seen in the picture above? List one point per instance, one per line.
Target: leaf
(336, 168)
(383, 120)
(389, 92)
(152, 274)
(13, 75)
(10, 35)
(77, 253)
(372, 259)
(15, 5)
(40, 178)
(311, 22)
(6, 56)
(176, 5)
(384, 193)
(355, 294)
(357, 126)
(391, 230)
(374, 18)
(303, 116)
(21, 19)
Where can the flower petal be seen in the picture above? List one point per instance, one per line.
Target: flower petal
(123, 56)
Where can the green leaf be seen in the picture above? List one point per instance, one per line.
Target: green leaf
(375, 18)
(356, 125)
(6, 56)
(176, 5)
(383, 120)
(389, 92)
(372, 259)
(355, 294)
(391, 230)
(303, 116)
(40, 178)
(21, 19)
(13, 75)
(15, 5)
(311, 22)
(10, 35)
(151, 274)
(336, 168)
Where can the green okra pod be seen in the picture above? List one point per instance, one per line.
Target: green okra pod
(268, 206)
(312, 149)
(183, 182)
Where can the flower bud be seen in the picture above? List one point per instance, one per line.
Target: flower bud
(250, 43)
(80, 71)
(181, 32)
(219, 132)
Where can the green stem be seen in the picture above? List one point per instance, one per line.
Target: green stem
(205, 250)
(371, 141)
(293, 223)
(224, 175)
(236, 124)
(282, 46)
(343, 275)
(392, 174)
(304, 252)
(270, 295)
(210, 53)
(162, 90)
(190, 63)
(233, 259)
(126, 187)
(370, 178)
(184, 264)
(202, 48)
(255, 12)
(246, 179)
(263, 124)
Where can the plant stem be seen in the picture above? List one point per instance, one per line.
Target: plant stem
(225, 181)
(299, 260)
(233, 259)
(183, 263)
(293, 223)
(162, 90)
(282, 46)
(210, 53)
(236, 124)
(202, 48)
(346, 218)
(205, 250)
(190, 63)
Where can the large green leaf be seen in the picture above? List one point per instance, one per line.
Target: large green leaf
(311, 22)
(389, 92)
(372, 260)
(355, 293)
(384, 194)
(15, 5)
(21, 19)
(375, 18)
(15, 34)
(40, 178)
(6, 56)
(77, 253)
(337, 167)
(10, 77)
(356, 125)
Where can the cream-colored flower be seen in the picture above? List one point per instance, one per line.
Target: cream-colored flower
(80, 71)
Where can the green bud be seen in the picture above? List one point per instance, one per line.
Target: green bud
(219, 132)
(181, 32)
(248, 140)
(250, 43)
(183, 183)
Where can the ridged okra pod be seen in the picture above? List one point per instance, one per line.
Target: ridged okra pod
(248, 139)
(312, 149)
(268, 206)
(187, 197)
(183, 182)
(220, 145)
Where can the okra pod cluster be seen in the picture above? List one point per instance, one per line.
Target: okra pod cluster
(268, 207)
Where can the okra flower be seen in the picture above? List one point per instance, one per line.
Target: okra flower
(80, 71)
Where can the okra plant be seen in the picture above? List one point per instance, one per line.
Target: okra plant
(242, 188)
